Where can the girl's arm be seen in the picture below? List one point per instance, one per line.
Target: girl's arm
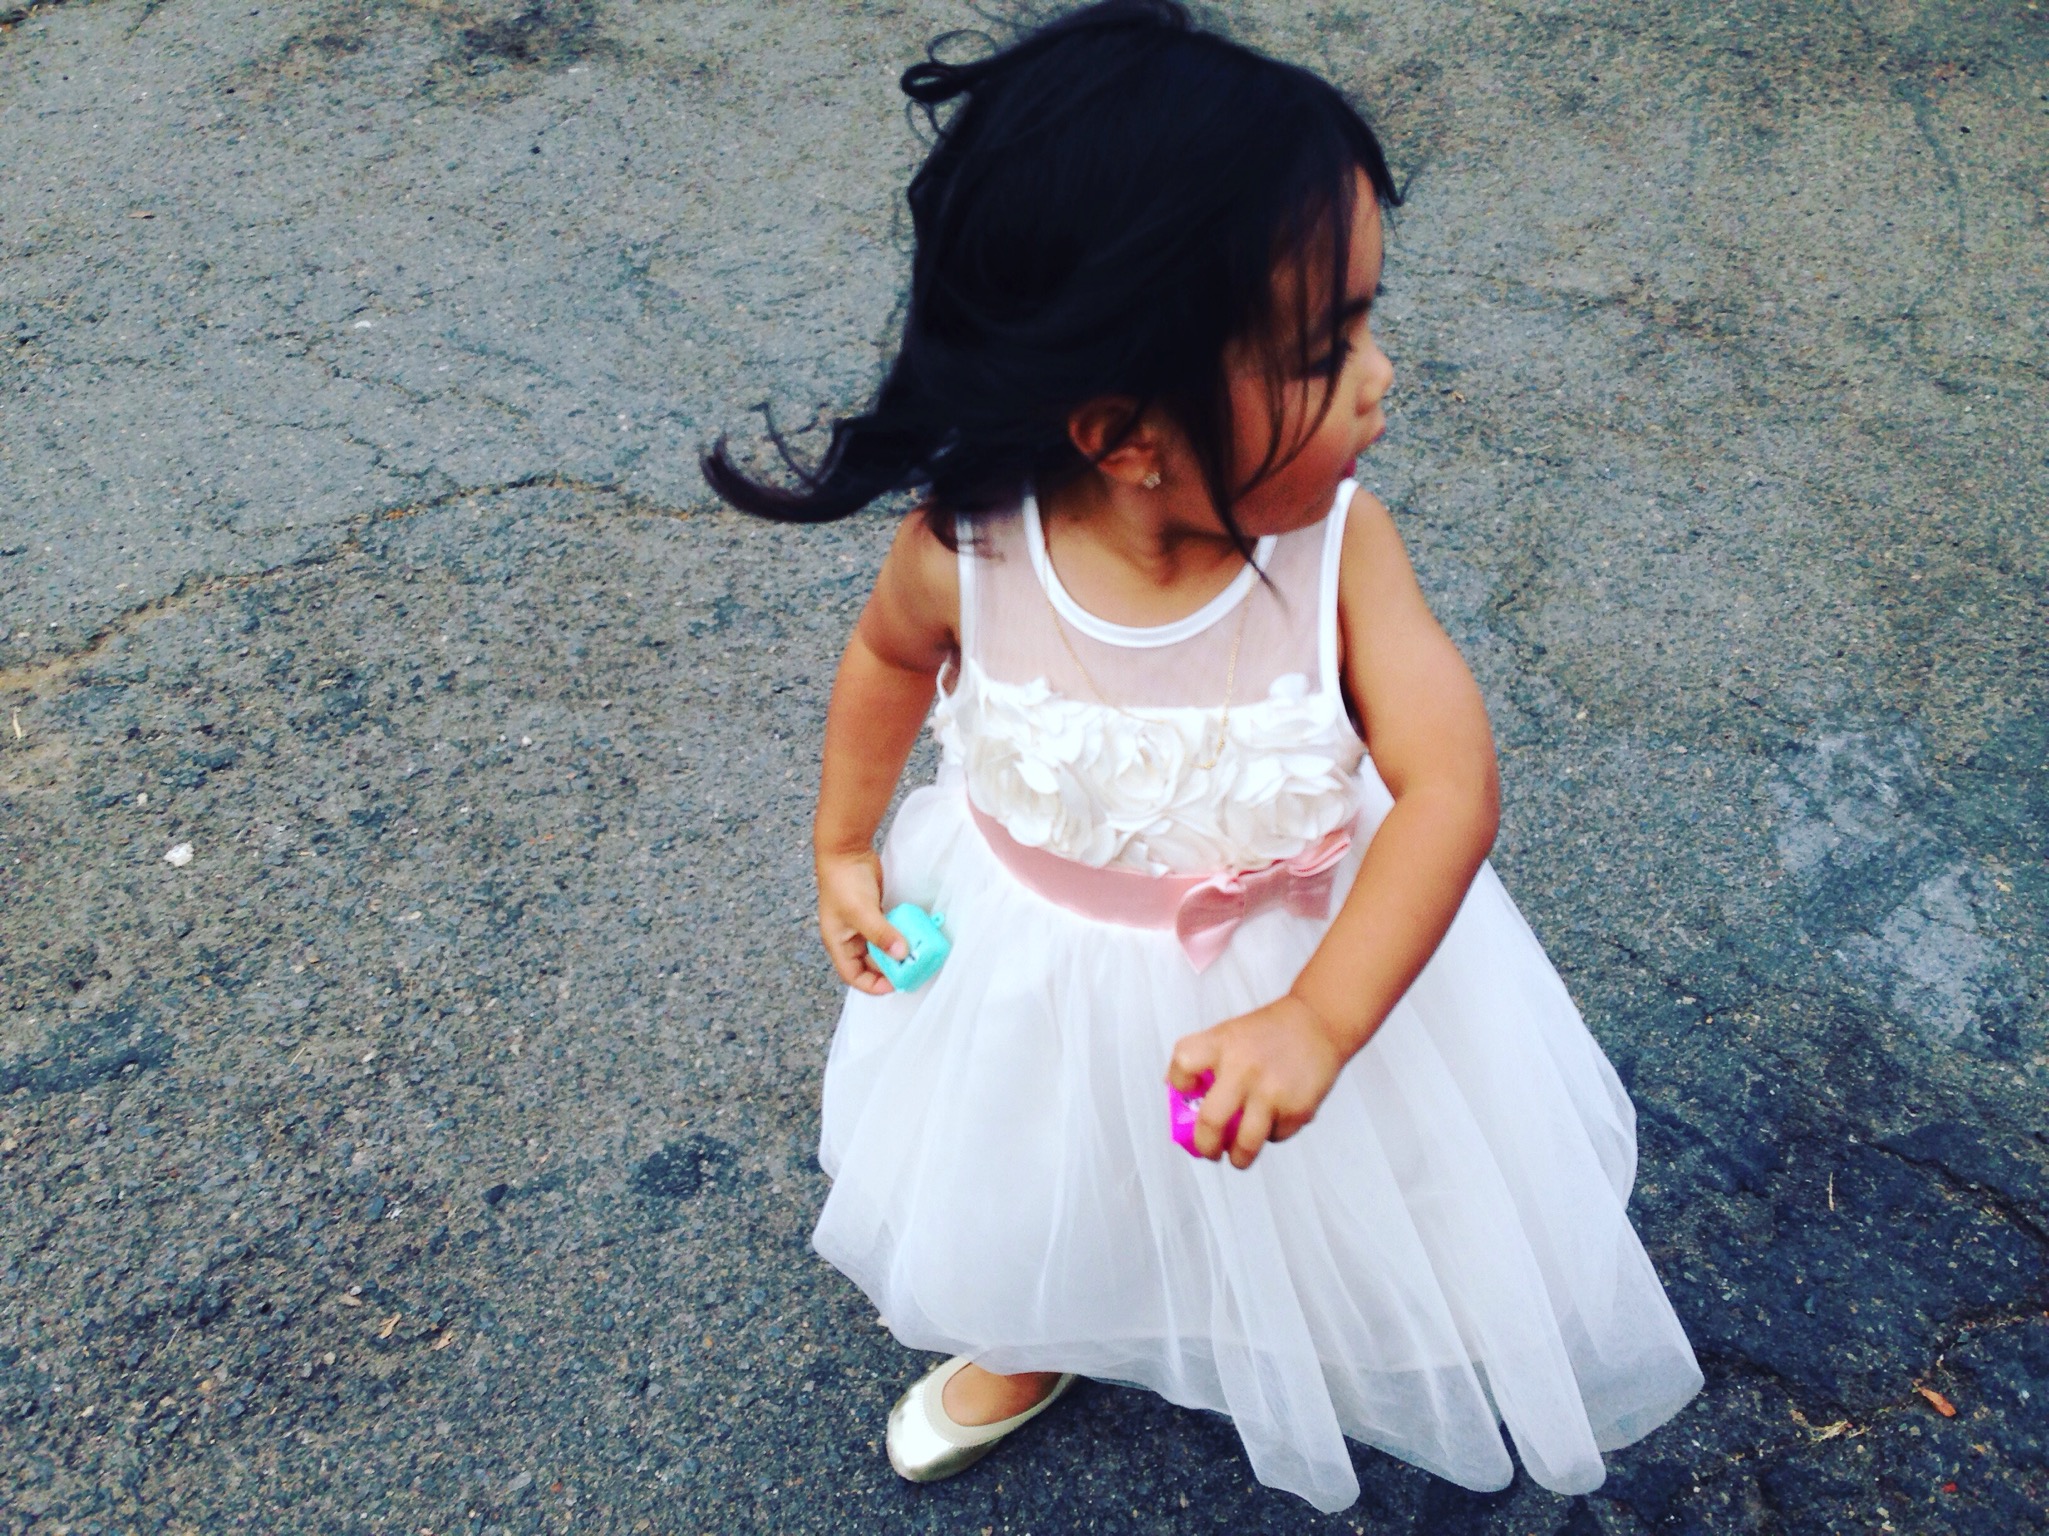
(1427, 730)
(880, 698)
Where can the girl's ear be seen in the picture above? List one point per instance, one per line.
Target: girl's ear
(1105, 433)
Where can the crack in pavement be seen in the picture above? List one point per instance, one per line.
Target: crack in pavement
(2009, 1207)
(33, 679)
(1734, 1363)
(14, 16)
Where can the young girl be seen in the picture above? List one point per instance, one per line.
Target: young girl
(1215, 799)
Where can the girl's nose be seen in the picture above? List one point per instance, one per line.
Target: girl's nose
(1378, 378)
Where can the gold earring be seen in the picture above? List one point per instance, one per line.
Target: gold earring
(1152, 480)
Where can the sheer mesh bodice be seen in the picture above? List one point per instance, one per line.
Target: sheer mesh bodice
(1111, 744)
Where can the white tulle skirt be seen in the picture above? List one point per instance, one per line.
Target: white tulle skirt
(1444, 1250)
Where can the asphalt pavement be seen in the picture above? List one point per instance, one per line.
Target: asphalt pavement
(410, 1022)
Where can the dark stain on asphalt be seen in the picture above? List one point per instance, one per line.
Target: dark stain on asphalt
(547, 1183)
(547, 33)
(77, 1055)
(681, 1169)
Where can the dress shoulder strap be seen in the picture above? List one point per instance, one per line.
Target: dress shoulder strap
(964, 566)
(989, 546)
(1327, 594)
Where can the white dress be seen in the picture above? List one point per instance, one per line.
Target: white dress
(1444, 1250)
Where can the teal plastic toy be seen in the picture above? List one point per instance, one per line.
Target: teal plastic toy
(929, 948)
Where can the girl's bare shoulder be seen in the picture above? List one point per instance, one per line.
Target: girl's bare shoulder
(1375, 577)
(1422, 713)
(914, 612)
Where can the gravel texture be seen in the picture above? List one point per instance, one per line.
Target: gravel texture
(431, 1150)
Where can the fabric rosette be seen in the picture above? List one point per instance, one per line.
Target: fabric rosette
(1153, 789)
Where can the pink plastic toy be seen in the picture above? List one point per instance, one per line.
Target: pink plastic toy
(1182, 1109)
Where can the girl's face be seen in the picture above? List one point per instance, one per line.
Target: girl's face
(1321, 427)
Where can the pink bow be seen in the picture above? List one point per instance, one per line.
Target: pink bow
(1210, 913)
(1203, 911)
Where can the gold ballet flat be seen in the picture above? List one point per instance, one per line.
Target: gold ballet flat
(925, 1444)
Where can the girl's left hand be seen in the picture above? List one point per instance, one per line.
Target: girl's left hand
(1274, 1064)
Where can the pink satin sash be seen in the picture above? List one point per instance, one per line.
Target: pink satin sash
(1202, 911)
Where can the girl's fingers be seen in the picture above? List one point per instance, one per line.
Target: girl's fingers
(1193, 1056)
(850, 918)
(1254, 1132)
(849, 969)
(1222, 1101)
(862, 922)
(851, 961)
(849, 956)
(876, 930)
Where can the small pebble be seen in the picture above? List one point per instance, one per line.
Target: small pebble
(179, 856)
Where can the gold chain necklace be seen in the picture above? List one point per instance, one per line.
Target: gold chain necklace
(1230, 671)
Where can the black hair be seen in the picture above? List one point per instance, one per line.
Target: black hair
(1103, 213)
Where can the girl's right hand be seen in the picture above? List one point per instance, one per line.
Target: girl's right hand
(850, 919)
